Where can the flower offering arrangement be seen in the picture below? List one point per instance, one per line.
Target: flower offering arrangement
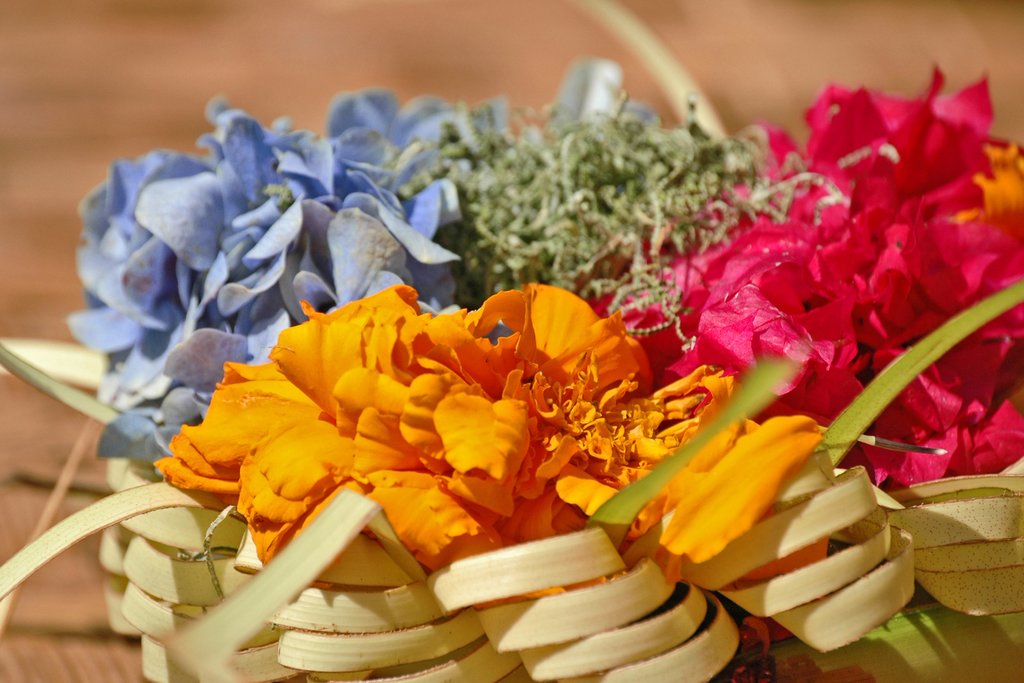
(458, 393)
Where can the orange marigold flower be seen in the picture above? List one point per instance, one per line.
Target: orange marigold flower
(473, 430)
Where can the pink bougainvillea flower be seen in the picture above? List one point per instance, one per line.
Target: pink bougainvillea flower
(920, 153)
(923, 233)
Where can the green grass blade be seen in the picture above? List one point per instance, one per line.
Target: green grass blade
(74, 398)
(863, 410)
(757, 391)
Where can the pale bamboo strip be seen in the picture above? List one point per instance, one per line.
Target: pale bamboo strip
(255, 665)
(86, 437)
(363, 563)
(620, 646)
(970, 555)
(851, 499)
(576, 613)
(701, 657)
(209, 645)
(113, 594)
(960, 487)
(98, 516)
(313, 651)
(113, 545)
(984, 591)
(483, 663)
(764, 598)
(667, 71)
(159, 618)
(525, 568)
(962, 519)
(186, 528)
(67, 362)
(181, 581)
(360, 611)
(849, 613)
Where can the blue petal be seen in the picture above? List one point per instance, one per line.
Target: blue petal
(313, 167)
(250, 156)
(361, 247)
(92, 265)
(232, 191)
(104, 329)
(382, 280)
(187, 214)
(363, 145)
(215, 279)
(418, 246)
(146, 275)
(263, 335)
(263, 215)
(186, 278)
(436, 205)
(416, 164)
(315, 219)
(130, 435)
(93, 212)
(356, 181)
(110, 290)
(278, 238)
(237, 243)
(289, 301)
(234, 295)
(312, 289)
(181, 406)
(169, 166)
(434, 282)
(372, 108)
(421, 119)
(198, 361)
(141, 376)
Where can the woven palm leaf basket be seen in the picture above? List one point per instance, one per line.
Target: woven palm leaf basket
(457, 394)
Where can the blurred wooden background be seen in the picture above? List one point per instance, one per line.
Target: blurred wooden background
(83, 82)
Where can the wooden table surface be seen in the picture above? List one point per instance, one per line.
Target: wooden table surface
(83, 82)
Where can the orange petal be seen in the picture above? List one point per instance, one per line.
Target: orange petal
(487, 493)
(294, 469)
(582, 490)
(508, 307)
(361, 388)
(565, 329)
(1003, 191)
(379, 445)
(479, 434)
(541, 517)
(417, 421)
(290, 474)
(315, 354)
(432, 524)
(722, 503)
(242, 414)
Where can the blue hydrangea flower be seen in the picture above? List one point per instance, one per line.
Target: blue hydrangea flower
(190, 262)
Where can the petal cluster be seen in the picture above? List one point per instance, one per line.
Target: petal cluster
(474, 430)
(189, 262)
(909, 221)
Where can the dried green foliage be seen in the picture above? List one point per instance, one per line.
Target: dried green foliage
(596, 206)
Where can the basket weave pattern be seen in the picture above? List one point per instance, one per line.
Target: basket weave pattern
(567, 608)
